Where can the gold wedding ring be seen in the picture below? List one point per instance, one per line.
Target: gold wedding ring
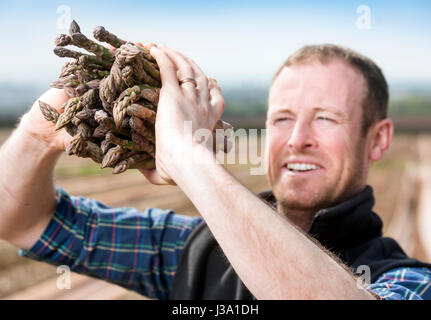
(185, 80)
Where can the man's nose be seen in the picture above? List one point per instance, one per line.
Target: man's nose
(301, 137)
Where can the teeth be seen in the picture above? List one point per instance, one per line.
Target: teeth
(302, 166)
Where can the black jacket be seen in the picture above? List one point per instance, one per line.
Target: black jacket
(351, 230)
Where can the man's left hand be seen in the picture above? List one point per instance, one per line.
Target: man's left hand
(201, 103)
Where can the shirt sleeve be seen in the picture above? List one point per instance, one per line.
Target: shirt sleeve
(404, 284)
(137, 250)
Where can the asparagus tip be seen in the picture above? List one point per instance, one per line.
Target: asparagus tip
(121, 167)
(63, 40)
(74, 27)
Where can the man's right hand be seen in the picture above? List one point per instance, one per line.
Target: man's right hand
(27, 159)
(38, 127)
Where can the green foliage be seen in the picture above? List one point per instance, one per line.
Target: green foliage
(83, 170)
(410, 106)
(250, 101)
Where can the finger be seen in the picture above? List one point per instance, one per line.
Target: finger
(185, 70)
(201, 79)
(55, 98)
(148, 46)
(217, 102)
(168, 71)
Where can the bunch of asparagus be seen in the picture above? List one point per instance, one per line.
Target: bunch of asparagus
(113, 96)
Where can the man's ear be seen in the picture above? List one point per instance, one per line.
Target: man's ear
(381, 137)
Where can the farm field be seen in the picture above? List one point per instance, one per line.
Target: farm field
(401, 185)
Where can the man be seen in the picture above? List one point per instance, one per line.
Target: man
(326, 125)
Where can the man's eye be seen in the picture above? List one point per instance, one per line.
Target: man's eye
(325, 119)
(282, 120)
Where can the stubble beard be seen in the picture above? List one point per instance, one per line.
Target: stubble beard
(329, 195)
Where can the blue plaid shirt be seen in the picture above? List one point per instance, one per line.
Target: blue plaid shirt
(141, 250)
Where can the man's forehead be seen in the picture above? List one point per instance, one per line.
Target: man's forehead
(333, 109)
(334, 82)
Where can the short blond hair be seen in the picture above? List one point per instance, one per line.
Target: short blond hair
(375, 103)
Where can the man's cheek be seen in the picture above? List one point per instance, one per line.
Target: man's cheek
(273, 170)
(272, 155)
(333, 151)
(275, 146)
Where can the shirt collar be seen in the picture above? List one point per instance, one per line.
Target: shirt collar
(344, 225)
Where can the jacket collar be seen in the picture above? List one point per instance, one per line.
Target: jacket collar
(344, 225)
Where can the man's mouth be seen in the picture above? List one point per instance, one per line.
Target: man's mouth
(302, 167)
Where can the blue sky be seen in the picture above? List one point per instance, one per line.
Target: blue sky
(236, 42)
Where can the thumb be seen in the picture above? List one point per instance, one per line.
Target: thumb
(148, 46)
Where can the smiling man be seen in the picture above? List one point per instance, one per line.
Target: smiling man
(321, 108)
(305, 239)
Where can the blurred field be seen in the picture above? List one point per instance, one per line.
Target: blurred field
(399, 182)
